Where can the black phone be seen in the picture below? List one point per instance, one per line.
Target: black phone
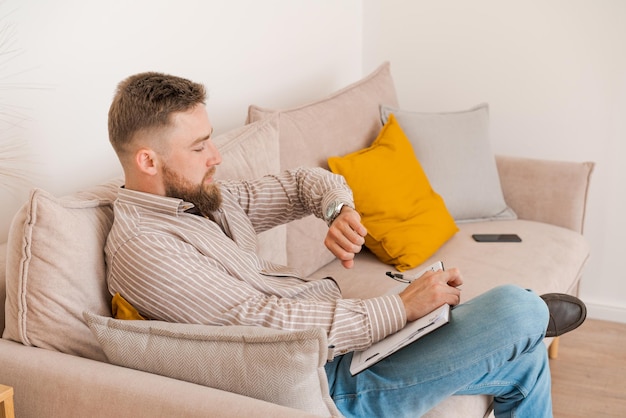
(496, 238)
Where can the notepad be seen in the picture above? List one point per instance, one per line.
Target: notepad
(361, 360)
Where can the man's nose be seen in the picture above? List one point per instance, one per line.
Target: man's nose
(216, 159)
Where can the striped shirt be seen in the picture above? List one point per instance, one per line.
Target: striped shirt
(176, 266)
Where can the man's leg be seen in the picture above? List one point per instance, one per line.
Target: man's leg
(492, 345)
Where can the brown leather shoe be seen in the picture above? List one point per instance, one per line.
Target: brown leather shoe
(566, 313)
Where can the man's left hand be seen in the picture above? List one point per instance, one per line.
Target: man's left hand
(345, 236)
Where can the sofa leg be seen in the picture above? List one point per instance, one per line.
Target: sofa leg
(6, 402)
(553, 350)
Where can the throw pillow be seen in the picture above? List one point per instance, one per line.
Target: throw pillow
(455, 152)
(286, 368)
(406, 220)
(343, 122)
(56, 270)
(55, 257)
(122, 309)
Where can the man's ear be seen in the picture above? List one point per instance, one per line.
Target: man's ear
(146, 160)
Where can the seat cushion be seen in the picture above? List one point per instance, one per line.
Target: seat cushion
(549, 259)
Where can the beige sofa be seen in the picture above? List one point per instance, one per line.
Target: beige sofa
(60, 366)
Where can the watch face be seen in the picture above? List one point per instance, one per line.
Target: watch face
(330, 210)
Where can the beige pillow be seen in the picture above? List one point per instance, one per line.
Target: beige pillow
(339, 124)
(56, 270)
(55, 252)
(286, 368)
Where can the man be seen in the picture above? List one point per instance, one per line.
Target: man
(182, 249)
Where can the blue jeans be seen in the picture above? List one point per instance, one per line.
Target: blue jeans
(492, 346)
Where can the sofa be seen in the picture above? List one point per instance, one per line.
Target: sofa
(66, 355)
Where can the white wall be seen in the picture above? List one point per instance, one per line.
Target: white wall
(73, 54)
(554, 74)
(553, 71)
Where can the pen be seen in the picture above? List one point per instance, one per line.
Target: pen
(401, 277)
(392, 275)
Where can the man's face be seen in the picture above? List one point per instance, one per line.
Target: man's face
(188, 168)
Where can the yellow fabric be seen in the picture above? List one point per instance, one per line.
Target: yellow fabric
(405, 219)
(122, 309)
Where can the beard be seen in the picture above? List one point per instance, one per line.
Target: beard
(207, 197)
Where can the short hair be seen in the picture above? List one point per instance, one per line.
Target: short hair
(147, 100)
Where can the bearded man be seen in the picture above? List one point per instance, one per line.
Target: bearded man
(183, 249)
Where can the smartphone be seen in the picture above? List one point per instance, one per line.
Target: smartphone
(496, 238)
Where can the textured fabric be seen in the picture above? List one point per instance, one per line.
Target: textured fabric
(406, 220)
(86, 388)
(455, 151)
(548, 191)
(286, 368)
(343, 122)
(178, 267)
(55, 270)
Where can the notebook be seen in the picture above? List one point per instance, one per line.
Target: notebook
(361, 360)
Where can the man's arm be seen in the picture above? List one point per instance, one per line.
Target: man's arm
(293, 194)
(278, 199)
(168, 279)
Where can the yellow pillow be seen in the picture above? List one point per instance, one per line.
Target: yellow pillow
(405, 219)
(122, 309)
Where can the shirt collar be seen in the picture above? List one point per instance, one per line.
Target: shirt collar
(157, 203)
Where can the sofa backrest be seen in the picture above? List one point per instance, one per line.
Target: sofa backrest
(341, 123)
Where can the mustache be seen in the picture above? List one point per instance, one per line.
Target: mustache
(210, 173)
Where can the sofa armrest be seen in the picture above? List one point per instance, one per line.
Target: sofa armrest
(52, 384)
(553, 192)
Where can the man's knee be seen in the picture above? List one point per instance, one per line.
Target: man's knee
(523, 309)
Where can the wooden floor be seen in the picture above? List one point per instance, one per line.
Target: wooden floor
(589, 375)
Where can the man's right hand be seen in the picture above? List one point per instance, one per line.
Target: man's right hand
(430, 291)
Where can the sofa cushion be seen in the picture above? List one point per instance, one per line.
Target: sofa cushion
(55, 254)
(56, 269)
(549, 259)
(406, 220)
(343, 122)
(286, 368)
(455, 151)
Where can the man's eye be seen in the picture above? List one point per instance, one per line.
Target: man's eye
(198, 149)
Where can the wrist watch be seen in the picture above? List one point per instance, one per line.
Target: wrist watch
(333, 210)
